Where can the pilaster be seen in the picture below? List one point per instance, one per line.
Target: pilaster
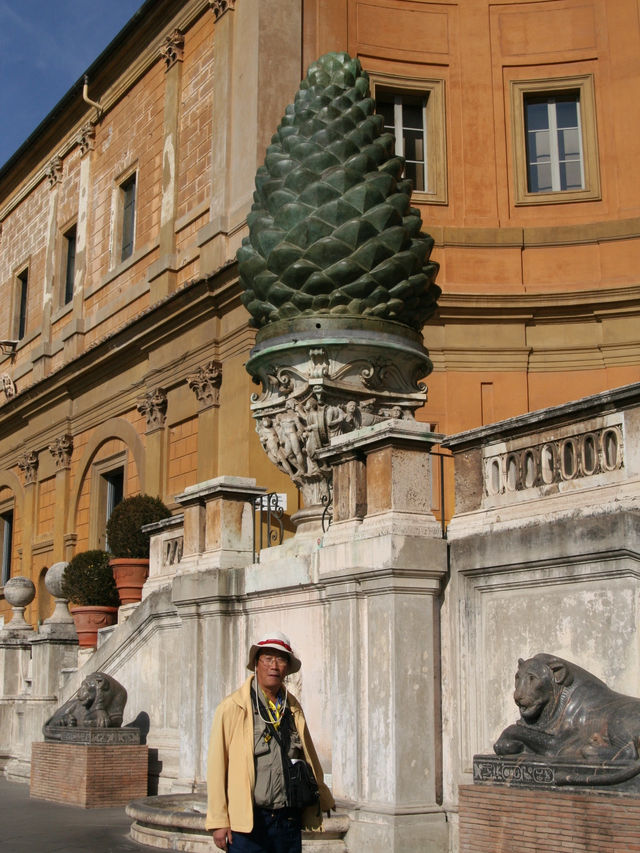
(61, 450)
(42, 353)
(154, 407)
(205, 384)
(162, 274)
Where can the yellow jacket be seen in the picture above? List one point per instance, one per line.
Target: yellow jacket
(231, 768)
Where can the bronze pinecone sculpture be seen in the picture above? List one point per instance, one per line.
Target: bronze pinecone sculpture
(331, 227)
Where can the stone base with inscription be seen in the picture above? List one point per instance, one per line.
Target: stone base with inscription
(529, 771)
(528, 805)
(90, 775)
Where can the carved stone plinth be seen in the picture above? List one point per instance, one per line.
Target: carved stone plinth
(323, 377)
(86, 735)
(88, 775)
(529, 771)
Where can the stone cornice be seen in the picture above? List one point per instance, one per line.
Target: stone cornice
(531, 237)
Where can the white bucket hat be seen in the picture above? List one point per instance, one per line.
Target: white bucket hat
(279, 643)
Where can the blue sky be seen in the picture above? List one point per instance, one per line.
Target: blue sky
(45, 46)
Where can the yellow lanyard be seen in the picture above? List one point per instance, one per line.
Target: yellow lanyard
(275, 710)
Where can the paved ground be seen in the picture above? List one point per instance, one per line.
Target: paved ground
(32, 826)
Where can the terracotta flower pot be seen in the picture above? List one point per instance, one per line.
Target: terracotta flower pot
(88, 619)
(130, 574)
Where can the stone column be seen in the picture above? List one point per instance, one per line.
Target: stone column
(382, 564)
(154, 407)
(162, 274)
(205, 384)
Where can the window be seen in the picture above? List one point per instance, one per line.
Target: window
(112, 494)
(128, 195)
(413, 110)
(405, 115)
(555, 141)
(107, 490)
(22, 290)
(6, 542)
(69, 263)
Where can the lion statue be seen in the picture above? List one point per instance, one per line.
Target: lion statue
(98, 703)
(568, 713)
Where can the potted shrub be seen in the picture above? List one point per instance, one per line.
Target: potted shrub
(129, 546)
(89, 586)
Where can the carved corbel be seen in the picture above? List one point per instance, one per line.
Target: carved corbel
(154, 408)
(54, 171)
(205, 384)
(61, 450)
(8, 386)
(28, 464)
(86, 138)
(172, 50)
(221, 6)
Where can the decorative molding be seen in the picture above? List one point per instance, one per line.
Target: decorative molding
(154, 407)
(54, 171)
(573, 457)
(61, 450)
(221, 6)
(172, 50)
(86, 138)
(28, 464)
(205, 384)
(8, 386)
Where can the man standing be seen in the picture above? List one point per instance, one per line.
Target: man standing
(259, 734)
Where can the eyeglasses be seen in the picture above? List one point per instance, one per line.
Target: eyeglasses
(280, 660)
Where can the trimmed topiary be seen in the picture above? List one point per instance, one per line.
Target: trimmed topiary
(331, 230)
(124, 534)
(88, 580)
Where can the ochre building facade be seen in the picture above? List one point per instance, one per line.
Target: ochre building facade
(123, 336)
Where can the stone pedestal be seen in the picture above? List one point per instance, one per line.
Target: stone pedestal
(88, 775)
(517, 820)
(382, 563)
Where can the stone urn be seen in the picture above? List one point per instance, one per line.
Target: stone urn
(337, 278)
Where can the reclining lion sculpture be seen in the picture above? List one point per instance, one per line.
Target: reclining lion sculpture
(567, 713)
(98, 703)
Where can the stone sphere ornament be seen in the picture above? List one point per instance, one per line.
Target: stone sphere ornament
(53, 581)
(54, 578)
(19, 592)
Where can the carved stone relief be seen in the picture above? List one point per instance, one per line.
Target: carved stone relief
(205, 384)
(172, 50)
(8, 386)
(28, 464)
(86, 138)
(54, 171)
(61, 450)
(154, 407)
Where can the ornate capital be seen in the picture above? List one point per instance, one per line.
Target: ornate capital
(28, 464)
(61, 450)
(205, 384)
(86, 138)
(154, 407)
(172, 50)
(221, 6)
(54, 171)
(8, 385)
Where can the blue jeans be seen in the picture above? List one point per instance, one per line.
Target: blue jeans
(274, 831)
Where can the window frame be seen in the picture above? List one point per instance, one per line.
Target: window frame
(583, 85)
(20, 302)
(6, 546)
(128, 216)
(116, 243)
(433, 90)
(67, 281)
(99, 496)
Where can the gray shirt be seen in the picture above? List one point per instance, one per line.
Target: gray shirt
(270, 789)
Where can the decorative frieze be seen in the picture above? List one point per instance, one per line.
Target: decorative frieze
(28, 464)
(86, 138)
(221, 6)
(172, 50)
(554, 461)
(53, 171)
(154, 408)
(205, 384)
(61, 450)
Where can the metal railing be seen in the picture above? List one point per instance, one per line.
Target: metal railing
(268, 528)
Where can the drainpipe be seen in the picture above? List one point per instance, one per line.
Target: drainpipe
(87, 99)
